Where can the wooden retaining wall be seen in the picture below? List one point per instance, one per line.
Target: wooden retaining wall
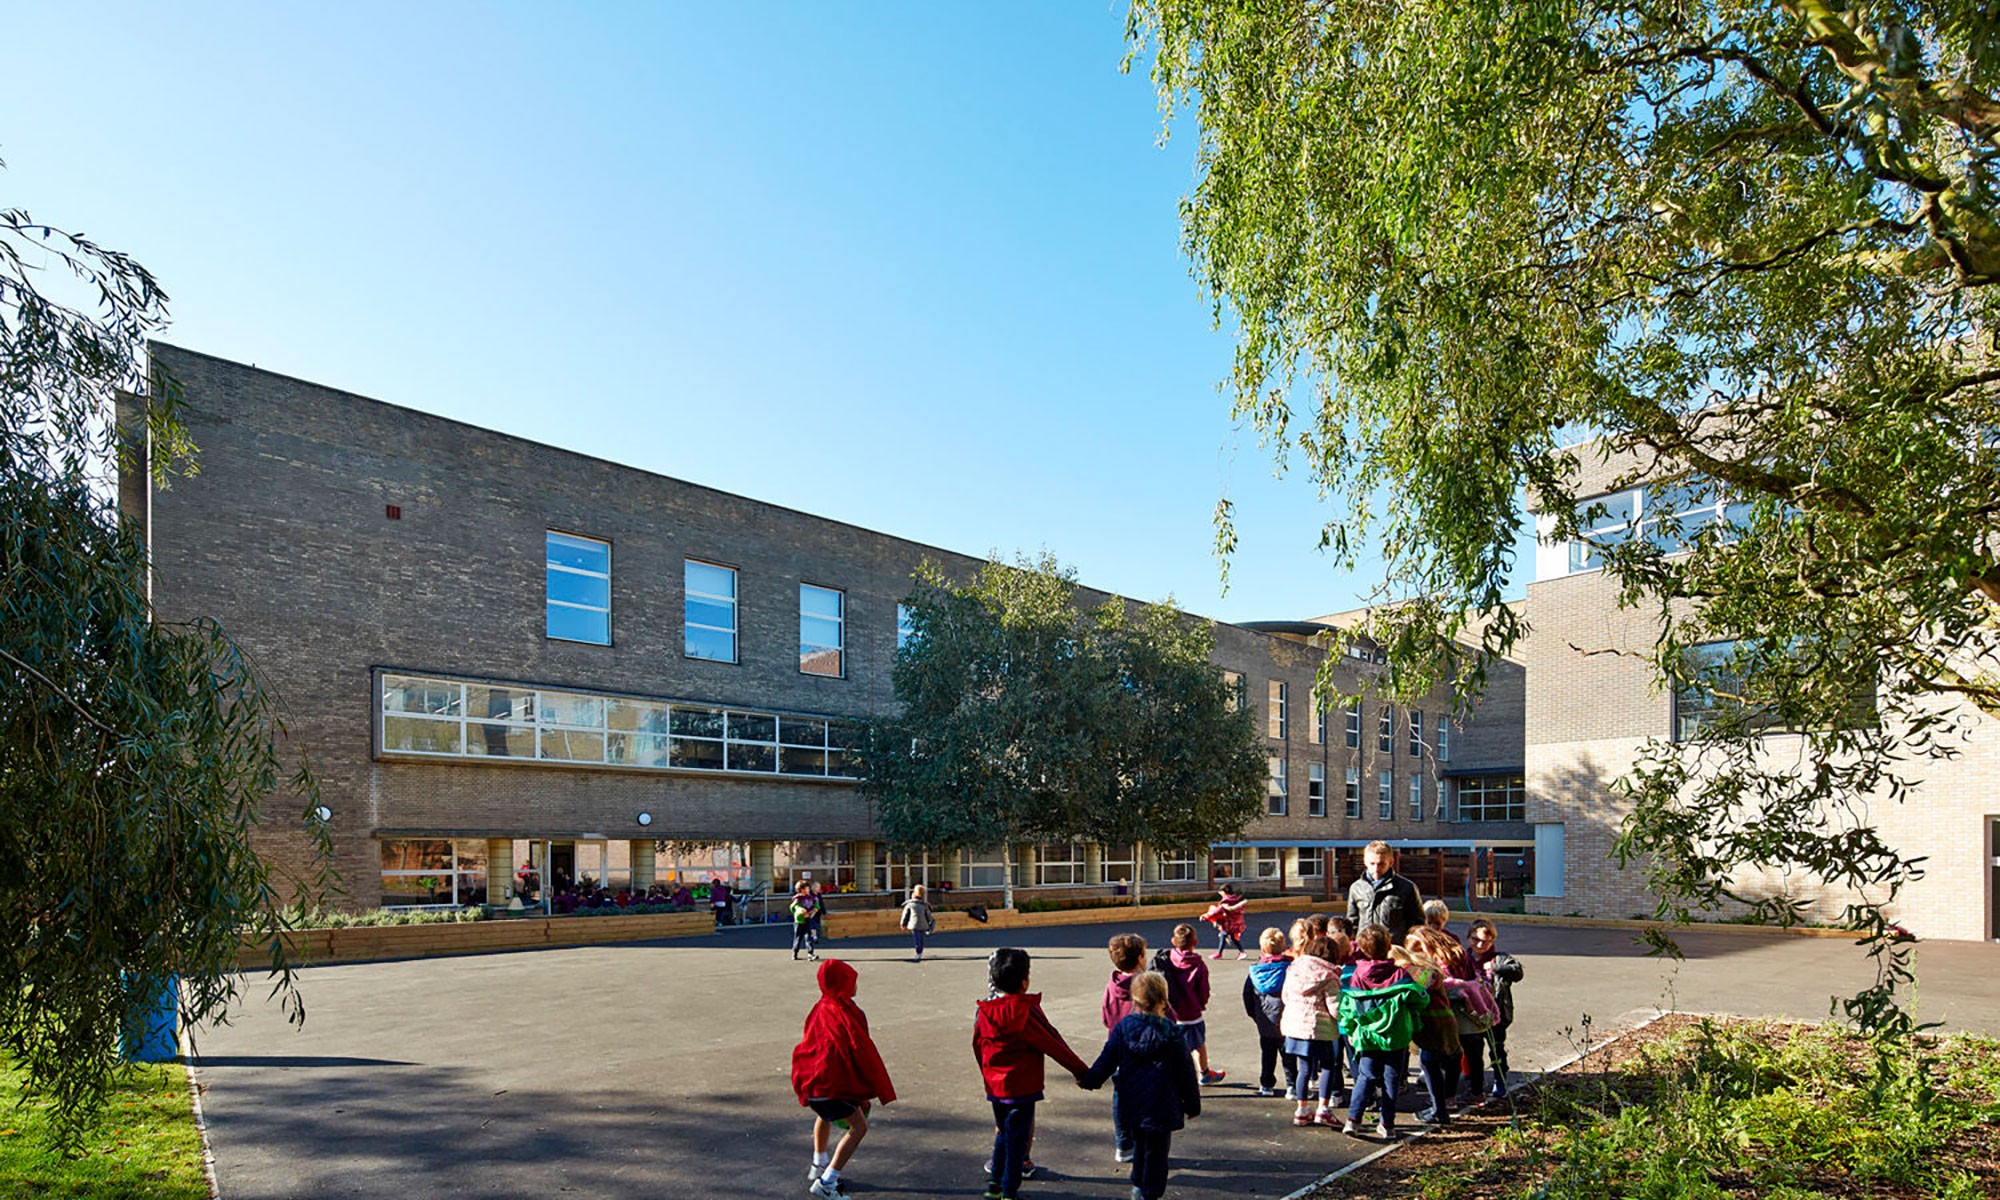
(885, 922)
(365, 943)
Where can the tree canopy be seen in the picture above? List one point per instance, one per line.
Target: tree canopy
(1027, 718)
(134, 755)
(1477, 251)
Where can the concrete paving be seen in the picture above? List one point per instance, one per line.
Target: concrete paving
(662, 1069)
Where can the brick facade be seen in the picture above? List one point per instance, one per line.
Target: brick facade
(286, 536)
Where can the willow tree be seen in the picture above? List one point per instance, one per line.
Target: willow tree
(135, 756)
(1743, 247)
(1025, 716)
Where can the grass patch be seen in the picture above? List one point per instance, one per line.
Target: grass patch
(147, 1147)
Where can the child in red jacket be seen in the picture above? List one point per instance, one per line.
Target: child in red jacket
(1011, 1038)
(837, 1072)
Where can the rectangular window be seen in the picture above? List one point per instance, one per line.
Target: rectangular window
(579, 583)
(1385, 730)
(709, 611)
(1312, 862)
(1270, 862)
(1176, 868)
(1318, 723)
(1058, 864)
(1280, 710)
(905, 631)
(1416, 734)
(822, 626)
(982, 869)
(1354, 725)
(1353, 793)
(1443, 738)
(899, 872)
(1279, 797)
(828, 863)
(495, 720)
(1416, 798)
(1239, 693)
(432, 873)
(1316, 790)
(1492, 798)
(1119, 865)
(1385, 806)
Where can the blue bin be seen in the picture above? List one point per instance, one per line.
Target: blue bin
(154, 1035)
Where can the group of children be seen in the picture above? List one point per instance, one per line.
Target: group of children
(1328, 1001)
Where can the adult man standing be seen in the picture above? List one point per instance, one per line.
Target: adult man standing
(1382, 897)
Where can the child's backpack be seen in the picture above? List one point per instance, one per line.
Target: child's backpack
(1383, 1019)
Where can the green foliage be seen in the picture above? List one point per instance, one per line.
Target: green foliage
(375, 918)
(1477, 252)
(1731, 1109)
(1027, 718)
(134, 755)
(147, 1148)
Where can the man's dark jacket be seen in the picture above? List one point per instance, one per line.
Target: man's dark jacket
(1392, 901)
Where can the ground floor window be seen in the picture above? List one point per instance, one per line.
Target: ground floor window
(986, 868)
(1492, 798)
(728, 861)
(828, 864)
(1311, 862)
(1270, 862)
(427, 872)
(1120, 864)
(1059, 863)
(899, 872)
(1177, 868)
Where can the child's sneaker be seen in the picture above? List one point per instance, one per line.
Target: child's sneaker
(1384, 1132)
(1347, 1127)
(1267, 1091)
(1027, 1169)
(1302, 1118)
(824, 1190)
(1214, 1076)
(1326, 1117)
(992, 1190)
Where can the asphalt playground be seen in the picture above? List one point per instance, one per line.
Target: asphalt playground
(661, 1069)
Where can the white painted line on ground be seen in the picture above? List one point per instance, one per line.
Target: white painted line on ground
(201, 1127)
(1359, 1163)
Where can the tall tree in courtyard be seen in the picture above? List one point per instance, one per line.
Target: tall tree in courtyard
(1745, 247)
(134, 756)
(1025, 718)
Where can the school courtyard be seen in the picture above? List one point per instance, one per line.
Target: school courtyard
(662, 1069)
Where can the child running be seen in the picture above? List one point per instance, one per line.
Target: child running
(1226, 914)
(1264, 1001)
(1187, 989)
(1379, 1013)
(1311, 999)
(1012, 1039)
(804, 907)
(1153, 1082)
(838, 1073)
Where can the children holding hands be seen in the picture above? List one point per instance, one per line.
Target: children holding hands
(1153, 1080)
(1012, 1038)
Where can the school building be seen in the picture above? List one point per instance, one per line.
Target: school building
(514, 666)
(1588, 713)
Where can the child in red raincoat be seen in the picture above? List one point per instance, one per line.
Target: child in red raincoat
(837, 1072)
(1012, 1039)
(1226, 914)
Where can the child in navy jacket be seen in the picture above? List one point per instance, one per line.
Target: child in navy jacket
(1154, 1080)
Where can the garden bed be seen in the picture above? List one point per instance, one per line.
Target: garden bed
(1691, 1108)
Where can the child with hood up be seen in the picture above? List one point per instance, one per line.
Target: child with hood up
(1012, 1039)
(1128, 955)
(1264, 1001)
(1380, 1011)
(1187, 992)
(838, 1073)
(1153, 1081)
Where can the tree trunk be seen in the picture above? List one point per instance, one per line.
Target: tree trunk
(1007, 874)
(1138, 868)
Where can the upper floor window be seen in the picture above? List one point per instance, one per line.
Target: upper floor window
(1718, 683)
(1239, 693)
(1318, 723)
(1492, 798)
(1280, 791)
(1354, 725)
(1416, 797)
(1416, 733)
(1443, 738)
(709, 618)
(1353, 796)
(1385, 800)
(1280, 709)
(1385, 730)
(822, 624)
(1669, 515)
(1316, 790)
(579, 601)
(906, 629)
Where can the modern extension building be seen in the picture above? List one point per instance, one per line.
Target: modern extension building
(510, 663)
(1588, 714)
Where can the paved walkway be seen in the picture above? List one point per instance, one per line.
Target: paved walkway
(661, 1069)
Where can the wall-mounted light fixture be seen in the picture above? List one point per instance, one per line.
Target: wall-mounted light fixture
(645, 818)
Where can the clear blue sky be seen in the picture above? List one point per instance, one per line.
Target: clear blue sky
(914, 267)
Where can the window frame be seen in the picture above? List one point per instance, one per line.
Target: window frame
(734, 600)
(1351, 797)
(549, 601)
(839, 619)
(1354, 725)
(1315, 789)
(1278, 712)
(1385, 729)
(1278, 799)
(1416, 797)
(1385, 801)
